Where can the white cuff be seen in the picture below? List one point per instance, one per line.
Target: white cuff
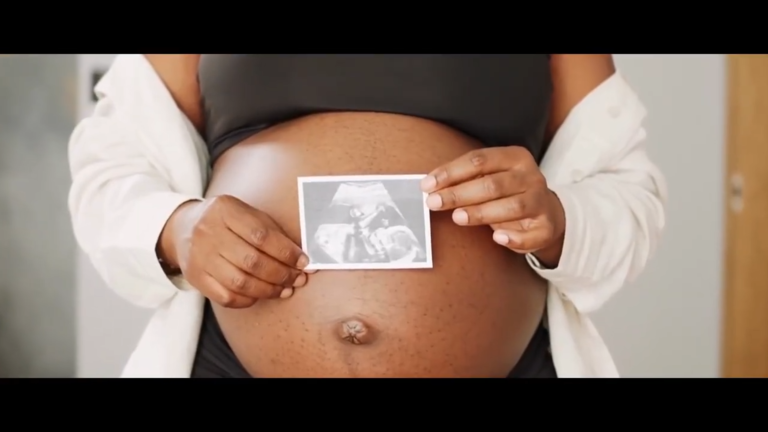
(534, 262)
(567, 268)
(568, 276)
(128, 257)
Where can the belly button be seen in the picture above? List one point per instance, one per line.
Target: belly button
(355, 332)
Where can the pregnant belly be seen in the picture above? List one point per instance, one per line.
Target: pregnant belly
(472, 315)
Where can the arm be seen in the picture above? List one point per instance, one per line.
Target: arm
(573, 78)
(121, 198)
(179, 74)
(139, 170)
(612, 195)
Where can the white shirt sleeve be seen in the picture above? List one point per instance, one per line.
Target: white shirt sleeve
(120, 200)
(612, 193)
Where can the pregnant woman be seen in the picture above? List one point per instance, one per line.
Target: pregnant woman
(226, 268)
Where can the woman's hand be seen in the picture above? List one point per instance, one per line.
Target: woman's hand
(232, 253)
(501, 187)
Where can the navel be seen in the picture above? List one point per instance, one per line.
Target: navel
(356, 332)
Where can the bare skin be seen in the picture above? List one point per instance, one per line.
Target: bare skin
(231, 252)
(471, 315)
(478, 307)
(573, 77)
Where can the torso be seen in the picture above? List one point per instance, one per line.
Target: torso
(496, 99)
(475, 311)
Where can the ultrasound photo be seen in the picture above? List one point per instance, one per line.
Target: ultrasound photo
(365, 222)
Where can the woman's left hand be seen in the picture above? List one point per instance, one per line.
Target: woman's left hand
(501, 187)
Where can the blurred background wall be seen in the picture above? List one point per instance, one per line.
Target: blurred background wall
(668, 323)
(108, 328)
(58, 319)
(37, 247)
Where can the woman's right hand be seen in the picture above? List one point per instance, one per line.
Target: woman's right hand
(232, 253)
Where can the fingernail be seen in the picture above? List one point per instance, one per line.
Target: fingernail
(310, 271)
(500, 238)
(300, 281)
(460, 217)
(428, 183)
(284, 294)
(434, 202)
(303, 262)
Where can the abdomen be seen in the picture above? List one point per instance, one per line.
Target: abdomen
(472, 315)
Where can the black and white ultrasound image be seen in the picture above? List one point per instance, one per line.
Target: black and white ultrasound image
(363, 222)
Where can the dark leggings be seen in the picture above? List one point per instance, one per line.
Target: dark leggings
(215, 359)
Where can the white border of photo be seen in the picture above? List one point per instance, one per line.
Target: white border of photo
(366, 266)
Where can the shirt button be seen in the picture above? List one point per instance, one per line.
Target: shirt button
(577, 175)
(614, 112)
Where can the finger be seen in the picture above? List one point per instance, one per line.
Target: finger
(522, 242)
(477, 191)
(217, 293)
(267, 239)
(466, 167)
(509, 209)
(240, 282)
(286, 292)
(256, 263)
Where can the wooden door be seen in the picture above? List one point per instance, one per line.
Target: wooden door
(745, 318)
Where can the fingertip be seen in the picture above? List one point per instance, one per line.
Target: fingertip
(428, 183)
(501, 238)
(286, 292)
(302, 262)
(515, 241)
(434, 201)
(310, 271)
(301, 280)
(460, 217)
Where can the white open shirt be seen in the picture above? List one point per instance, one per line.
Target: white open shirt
(138, 157)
